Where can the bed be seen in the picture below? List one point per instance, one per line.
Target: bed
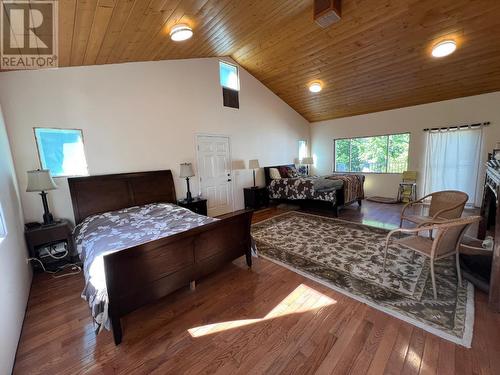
(137, 246)
(337, 190)
(352, 189)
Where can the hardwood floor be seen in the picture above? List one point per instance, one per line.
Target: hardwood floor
(265, 320)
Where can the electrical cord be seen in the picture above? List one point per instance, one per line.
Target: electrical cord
(51, 251)
(75, 269)
(53, 248)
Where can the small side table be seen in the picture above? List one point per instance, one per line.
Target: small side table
(44, 235)
(256, 197)
(197, 205)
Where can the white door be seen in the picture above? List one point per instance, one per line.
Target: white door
(214, 170)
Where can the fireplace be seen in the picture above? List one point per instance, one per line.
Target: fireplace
(486, 269)
(489, 204)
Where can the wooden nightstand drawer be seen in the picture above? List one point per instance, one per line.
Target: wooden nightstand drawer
(197, 205)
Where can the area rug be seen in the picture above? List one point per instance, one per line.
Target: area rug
(348, 257)
(383, 200)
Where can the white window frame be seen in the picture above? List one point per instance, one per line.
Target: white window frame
(369, 136)
(237, 75)
(40, 156)
(306, 146)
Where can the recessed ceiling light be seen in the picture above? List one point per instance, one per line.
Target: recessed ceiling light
(315, 87)
(181, 32)
(444, 48)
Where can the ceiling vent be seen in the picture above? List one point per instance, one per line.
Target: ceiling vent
(326, 12)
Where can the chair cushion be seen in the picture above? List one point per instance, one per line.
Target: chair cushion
(418, 243)
(417, 219)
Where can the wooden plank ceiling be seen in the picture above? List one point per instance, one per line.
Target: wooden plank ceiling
(376, 58)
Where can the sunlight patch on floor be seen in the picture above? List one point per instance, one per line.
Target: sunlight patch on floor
(412, 358)
(379, 224)
(301, 300)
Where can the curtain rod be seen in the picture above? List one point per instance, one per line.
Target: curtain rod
(459, 127)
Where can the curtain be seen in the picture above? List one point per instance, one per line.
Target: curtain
(452, 161)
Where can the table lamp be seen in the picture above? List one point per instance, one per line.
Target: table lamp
(253, 164)
(307, 161)
(186, 172)
(40, 180)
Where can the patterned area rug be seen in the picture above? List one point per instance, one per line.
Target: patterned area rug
(348, 257)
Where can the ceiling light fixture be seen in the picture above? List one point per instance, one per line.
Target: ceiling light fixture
(315, 87)
(181, 32)
(444, 48)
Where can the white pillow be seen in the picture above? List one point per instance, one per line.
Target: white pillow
(274, 174)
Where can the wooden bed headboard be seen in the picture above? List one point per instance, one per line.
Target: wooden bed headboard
(97, 194)
(266, 171)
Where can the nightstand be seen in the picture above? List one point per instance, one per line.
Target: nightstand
(256, 197)
(197, 205)
(38, 237)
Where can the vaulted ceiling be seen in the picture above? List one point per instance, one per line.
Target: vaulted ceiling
(376, 58)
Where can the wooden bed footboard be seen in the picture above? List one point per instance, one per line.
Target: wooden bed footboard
(147, 272)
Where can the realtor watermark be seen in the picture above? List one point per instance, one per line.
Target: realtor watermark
(28, 35)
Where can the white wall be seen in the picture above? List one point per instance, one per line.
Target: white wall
(144, 116)
(467, 110)
(15, 273)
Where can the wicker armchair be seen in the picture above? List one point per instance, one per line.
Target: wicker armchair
(447, 204)
(446, 242)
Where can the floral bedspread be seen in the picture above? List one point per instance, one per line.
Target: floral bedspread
(109, 232)
(300, 188)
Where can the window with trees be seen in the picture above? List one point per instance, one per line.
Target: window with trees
(379, 154)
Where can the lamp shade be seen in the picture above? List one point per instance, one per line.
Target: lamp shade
(238, 164)
(308, 160)
(253, 164)
(40, 180)
(186, 170)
